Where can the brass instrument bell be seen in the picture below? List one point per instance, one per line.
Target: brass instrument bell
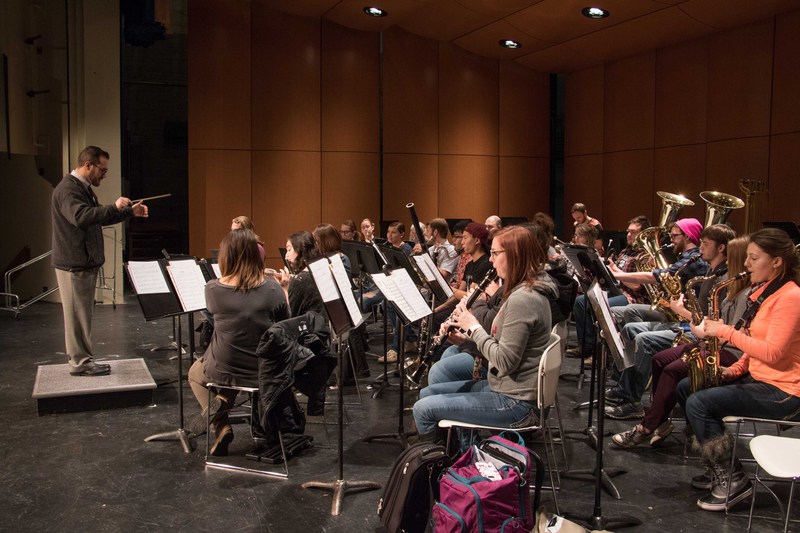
(719, 206)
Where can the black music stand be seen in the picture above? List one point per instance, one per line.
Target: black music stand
(342, 318)
(610, 342)
(401, 292)
(161, 304)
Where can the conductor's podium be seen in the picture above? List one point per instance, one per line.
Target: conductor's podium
(129, 384)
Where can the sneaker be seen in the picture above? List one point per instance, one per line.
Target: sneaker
(615, 395)
(631, 438)
(588, 362)
(661, 433)
(625, 411)
(705, 480)
(409, 346)
(740, 489)
(390, 357)
(574, 352)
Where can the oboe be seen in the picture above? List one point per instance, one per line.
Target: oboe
(416, 369)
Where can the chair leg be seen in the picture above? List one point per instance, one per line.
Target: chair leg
(561, 433)
(753, 500)
(789, 506)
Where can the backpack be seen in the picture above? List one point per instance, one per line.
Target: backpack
(567, 293)
(412, 487)
(487, 488)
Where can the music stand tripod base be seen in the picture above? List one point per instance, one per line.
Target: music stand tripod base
(180, 435)
(339, 487)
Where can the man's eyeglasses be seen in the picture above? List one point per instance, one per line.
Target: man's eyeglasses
(674, 236)
(101, 169)
(495, 253)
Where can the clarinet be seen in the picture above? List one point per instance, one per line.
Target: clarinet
(418, 368)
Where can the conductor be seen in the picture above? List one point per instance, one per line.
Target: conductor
(78, 251)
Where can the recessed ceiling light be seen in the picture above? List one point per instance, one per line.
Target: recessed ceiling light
(595, 12)
(375, 11)
(510, 43)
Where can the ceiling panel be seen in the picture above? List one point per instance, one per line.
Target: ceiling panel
(555, 36)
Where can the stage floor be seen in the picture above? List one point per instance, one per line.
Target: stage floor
(92, 471)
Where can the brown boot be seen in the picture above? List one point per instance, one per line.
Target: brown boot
(224, 438)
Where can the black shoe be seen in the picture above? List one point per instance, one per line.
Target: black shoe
(96, 370)
(740, 489)
(705, 480)
(615, 395)
(625, 411)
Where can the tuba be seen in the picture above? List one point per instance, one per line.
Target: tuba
(649, 241)
(719, 206)
(703, 359)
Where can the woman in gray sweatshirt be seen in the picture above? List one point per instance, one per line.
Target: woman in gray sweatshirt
(519, 335)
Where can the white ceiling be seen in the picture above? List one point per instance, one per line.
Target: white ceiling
(555, 36)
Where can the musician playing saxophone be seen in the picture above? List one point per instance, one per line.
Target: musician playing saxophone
(669, 368)
(765, 382)
(644, 339)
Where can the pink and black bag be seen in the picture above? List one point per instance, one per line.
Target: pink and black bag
(488, 488)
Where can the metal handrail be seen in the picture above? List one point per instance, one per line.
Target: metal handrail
(102, 282)
(10, 295)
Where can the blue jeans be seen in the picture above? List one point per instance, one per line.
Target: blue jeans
(644, 339)
(454, 365)
(627, 314)
(584, 325)
(705, 409)
(468, 401)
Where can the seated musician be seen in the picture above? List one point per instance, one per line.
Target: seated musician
(586, 235)
(493, 224)
(765, 382)
(244, 222)
(669, 368)
(367, 230)
(303, 296)
(626, 261)
(463, 258)
(457, 361)
(443, 253)
(519, 335)
(475, 241)
(645, 339)
(348, 231)
(244, 303)
(580, 215)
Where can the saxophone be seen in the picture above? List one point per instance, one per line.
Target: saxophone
(693, 306)
(703, 359)
(417, 369)
(672, 287)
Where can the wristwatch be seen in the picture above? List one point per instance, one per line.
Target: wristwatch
(472, 329)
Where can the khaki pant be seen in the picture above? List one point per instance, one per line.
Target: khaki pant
(77, 300)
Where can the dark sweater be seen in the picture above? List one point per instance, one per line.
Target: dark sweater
(78, 225)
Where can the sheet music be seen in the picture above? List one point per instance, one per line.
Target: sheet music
(189, 282)
(321, 272)
(147, 277)
(216, 269)
(400, 289)
(431, 273)
(345, 288)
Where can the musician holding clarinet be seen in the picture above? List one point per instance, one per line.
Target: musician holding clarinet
(518, 337)
(78, 220)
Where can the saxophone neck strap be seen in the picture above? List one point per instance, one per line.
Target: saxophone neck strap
(754, 305)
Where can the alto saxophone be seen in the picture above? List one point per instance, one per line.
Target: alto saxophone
(703, 359)
(692, 305)
(418, 368)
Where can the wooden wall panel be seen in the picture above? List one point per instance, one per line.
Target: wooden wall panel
(410, 178)
(583, 182)
(468, 103)
(349, 186)
(349, 89)
(286, 81)
(786, 88)
(629, 104)
(524, 103)
(583, 113)
(784, 202)
(735, 159)
(740, 82)
(468, 186)
(219, 74)
(681, 94)
(628, 180)
(411, 93)
(679, 170)
(286, 196)
(222, 199)
(524, 186)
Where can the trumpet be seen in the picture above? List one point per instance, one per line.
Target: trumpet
(416, 369)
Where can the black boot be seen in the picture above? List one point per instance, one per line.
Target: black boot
(728, 483)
